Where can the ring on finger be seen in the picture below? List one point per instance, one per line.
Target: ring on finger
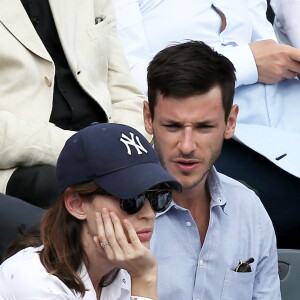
(104, 244)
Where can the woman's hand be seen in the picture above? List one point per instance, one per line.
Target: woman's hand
(127, 252)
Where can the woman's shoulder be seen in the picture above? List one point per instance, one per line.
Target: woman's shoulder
(24, 257)
(21, 266)
(23, 275)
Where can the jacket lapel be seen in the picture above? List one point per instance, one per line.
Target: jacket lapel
(64, 15)
(15, 19)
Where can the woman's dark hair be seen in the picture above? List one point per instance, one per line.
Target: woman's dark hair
(62, 255)
(187, 69)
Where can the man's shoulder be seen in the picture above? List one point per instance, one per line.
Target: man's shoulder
(239, 195)
(232, 185)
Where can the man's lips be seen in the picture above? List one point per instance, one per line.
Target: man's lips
(145, 234)
(186, 164)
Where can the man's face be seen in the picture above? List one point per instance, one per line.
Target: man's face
(188, 133)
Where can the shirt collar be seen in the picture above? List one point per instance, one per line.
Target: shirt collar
(120, 288)
(215, 189)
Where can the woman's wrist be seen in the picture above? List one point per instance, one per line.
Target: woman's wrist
(145, 285)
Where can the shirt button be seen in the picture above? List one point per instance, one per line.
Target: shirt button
(48, 81)
(36, 21)
(188, 224)
(201, 262)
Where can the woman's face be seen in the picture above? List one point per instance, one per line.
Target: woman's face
(142, 221)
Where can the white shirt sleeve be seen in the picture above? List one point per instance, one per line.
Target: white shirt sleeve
(240, 54)
(242, 58)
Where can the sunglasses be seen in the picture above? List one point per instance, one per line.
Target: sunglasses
(159, 200)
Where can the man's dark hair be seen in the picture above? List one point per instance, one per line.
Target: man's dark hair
(187, 69)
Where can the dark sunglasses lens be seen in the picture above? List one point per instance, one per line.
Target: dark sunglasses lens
(160, 200)
(132, 206)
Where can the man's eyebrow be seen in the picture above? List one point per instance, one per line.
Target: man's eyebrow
(205, 122)
(197, 124)
(171, 122)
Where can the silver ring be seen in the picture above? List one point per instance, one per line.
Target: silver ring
(104, 244)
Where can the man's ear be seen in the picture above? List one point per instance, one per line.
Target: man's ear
(231, 122)
(147, 118)
(73, 203)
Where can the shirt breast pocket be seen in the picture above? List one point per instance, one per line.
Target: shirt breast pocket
(238, 285)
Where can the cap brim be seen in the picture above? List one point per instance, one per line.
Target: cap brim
(132, 181)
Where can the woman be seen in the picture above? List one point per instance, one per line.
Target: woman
(94, 244)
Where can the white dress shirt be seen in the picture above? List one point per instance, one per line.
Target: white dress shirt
(286, 21)
(268, 120)
(23, 277)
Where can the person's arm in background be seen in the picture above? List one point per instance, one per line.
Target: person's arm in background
(26, 142)
(263, 59)
(286, 22)
(240, 53)
(132, 36)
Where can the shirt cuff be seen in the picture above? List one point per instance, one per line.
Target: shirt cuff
(243, 60)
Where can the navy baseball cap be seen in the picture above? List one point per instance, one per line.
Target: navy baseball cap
(116, 157)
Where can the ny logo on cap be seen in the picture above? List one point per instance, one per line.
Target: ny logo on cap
(131, 142)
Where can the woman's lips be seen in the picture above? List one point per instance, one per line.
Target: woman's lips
(145, 235)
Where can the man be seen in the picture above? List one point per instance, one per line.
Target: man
(61, 69)
(216, 224)
(267, 136)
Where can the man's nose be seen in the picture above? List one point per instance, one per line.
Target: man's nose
(187, 142)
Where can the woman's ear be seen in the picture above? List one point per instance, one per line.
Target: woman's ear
(147, 118)
(73, 203)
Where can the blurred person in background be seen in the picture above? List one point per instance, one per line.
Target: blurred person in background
(61, 69)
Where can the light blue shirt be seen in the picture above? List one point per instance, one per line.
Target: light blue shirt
(239, 228)
(268, 120)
